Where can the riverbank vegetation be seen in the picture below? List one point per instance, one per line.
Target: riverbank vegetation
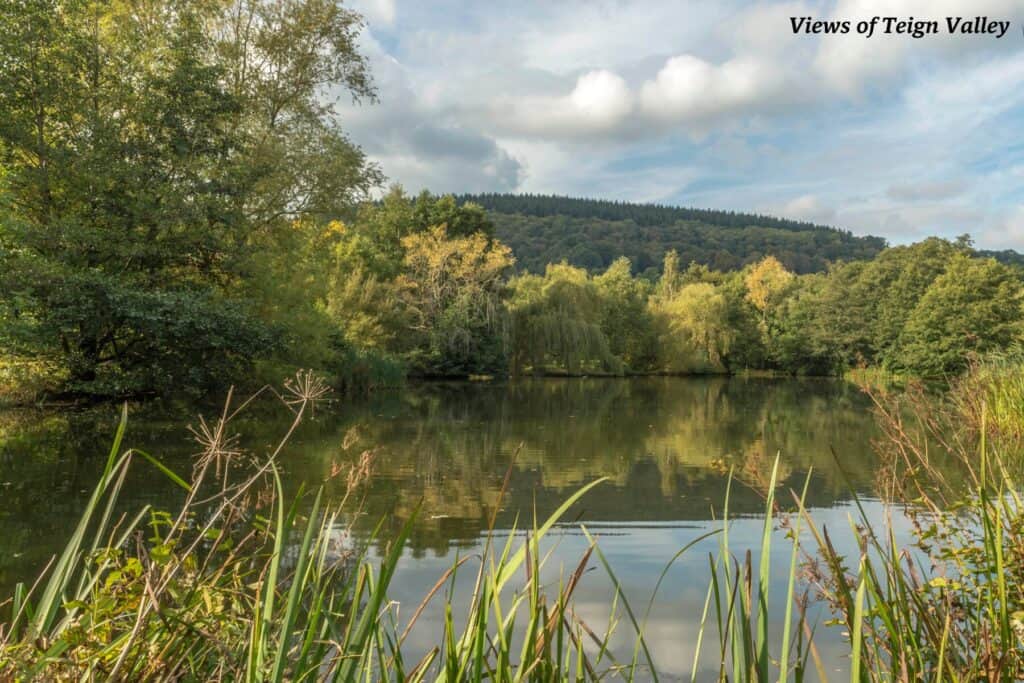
(241, 582)
(176, 215)
(951, 606)
(421, 286)
(164, 169)
(919, 310)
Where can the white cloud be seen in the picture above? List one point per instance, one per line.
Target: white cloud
(851, 63)
(688, 88)
(598, 103)
(416, 143)
(601, 98)
(714, 104)
(763, 28)
(571, 36)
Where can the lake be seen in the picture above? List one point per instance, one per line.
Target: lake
(666, 446)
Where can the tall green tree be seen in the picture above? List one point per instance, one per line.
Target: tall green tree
(695, 332)
(556, 324)
(151, 150)
(806, 337)
(972, 308)
(892, 285)
(625, 320)
(766, 282)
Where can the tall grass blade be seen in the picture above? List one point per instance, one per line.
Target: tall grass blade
(50, 600)
(858, 625)
(791, 587)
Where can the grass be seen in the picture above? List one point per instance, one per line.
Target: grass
(874, 378)
(25, 382)
(994, 386)
(240, 583)
(952, 607)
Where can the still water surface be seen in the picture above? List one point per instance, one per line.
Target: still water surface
(666, 446)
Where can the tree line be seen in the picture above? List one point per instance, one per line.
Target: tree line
(529, 204)
(179, 209)
(591, 234)
(425, 282)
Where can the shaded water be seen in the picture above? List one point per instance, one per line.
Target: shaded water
(666, 445)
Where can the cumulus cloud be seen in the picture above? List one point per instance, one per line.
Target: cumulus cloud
(710, 104)
(599, 102)
(688, 88)
(765, 68)
(417, 143)
(601, 98)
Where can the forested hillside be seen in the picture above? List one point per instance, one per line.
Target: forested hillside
(591, 234)
(1006, 256)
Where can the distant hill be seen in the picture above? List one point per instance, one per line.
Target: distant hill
(592, 233)
(1007, 256)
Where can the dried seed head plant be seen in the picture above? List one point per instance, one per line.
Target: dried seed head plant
(945, 604)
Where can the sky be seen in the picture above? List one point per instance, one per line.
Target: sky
(705, 103)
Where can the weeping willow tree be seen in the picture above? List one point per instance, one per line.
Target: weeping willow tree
(556, 323)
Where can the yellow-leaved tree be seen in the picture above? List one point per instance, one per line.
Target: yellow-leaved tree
(694, 331)
(766, 281)
(452, 289)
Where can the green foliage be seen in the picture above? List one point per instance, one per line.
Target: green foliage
(174, 216)
(1007, 257)
(453, 288)
(974, 307)
(363, 370)
(921, 309)
(893, 284)
(954, 610)
(625, 320)
(421, 281)
(747, 350)
(556, 324)
(373, 242)
(148, 169)
(694, 331)
(799, 341)
(591, 234)
(993, 389)
(460, 219)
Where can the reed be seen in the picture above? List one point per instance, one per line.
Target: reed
(243, 583)
(949, 606)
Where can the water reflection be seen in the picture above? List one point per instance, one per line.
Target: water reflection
(666, 445)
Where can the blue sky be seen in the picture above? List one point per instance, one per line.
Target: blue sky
(708, 104)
